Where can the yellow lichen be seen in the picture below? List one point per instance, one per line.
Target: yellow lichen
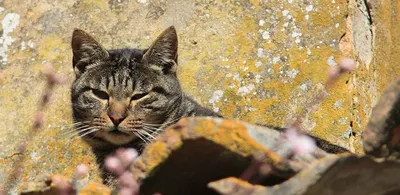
(156, 154)
(95, 189)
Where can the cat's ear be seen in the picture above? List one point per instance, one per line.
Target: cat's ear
(86, 51)
(163, 53)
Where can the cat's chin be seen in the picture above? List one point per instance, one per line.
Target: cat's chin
(118, 139)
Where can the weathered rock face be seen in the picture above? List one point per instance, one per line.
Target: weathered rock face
(381, 138)
(340, 174)
(204, 155)
(184, 151)
(257, 61)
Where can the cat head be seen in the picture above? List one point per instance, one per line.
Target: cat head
(122, 95)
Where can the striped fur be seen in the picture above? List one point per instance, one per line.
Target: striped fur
(126, 97)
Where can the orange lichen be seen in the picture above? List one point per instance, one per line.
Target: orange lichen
(205, 128)
(95, 189)
(173, 139)
(156, 154)
(242, 183)
(229, 134)
(232, 185)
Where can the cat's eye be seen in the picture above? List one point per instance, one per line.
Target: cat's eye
(159, 90)
(138, 96)
(100, 94)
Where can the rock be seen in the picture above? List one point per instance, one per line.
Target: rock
(46, 186)
(201, 154)
(94, 189)
(234, 186)
(198, 150)
(381, 138)
(342, 174)
(373, 27)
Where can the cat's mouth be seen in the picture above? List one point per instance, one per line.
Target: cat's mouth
(117, 136)
(117, 132)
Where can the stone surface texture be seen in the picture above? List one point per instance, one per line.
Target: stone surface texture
(199, 150)
(46, 186)
(340, 174)
(256, 61)
(381, 138)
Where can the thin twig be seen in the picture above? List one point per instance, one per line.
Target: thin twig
(52, 81)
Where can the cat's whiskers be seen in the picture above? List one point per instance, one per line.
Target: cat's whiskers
(67, 129)
(155, 131)
(73, 125)
(136, 134)
(80, 126)
(77, 128)
(78, 132)
(83, 130)
(152, 129)
(147, 134)
(87, 133)
(74, 129)
(152, 132)
(140, 135)
(150, 124)
(81, 122)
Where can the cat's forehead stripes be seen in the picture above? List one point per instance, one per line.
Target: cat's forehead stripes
(125, 57)
(119, 83)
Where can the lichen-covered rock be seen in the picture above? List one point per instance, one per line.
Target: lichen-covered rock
(381, 138)
(342, 174)
(372, 37)
(234, 186)
(257, 61)
(47, 186)
(199, 150)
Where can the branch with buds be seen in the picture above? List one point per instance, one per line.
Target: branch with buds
(66, 187)
(119, 165)
(52, 81)
(299, 143)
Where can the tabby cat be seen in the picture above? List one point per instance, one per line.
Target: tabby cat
(125, 97)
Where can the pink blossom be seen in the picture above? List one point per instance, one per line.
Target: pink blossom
(300, 143)
(62, 185)
(39, 120)
(333, 73)
(346, 64)
(52, 79)
(113, 164)
(129, 156)
(127, 184)
(119, 164)
(81, 170)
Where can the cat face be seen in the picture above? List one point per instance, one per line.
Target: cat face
(123, 95)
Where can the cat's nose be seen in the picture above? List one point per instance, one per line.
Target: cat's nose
(117, 112)
(116, 117)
